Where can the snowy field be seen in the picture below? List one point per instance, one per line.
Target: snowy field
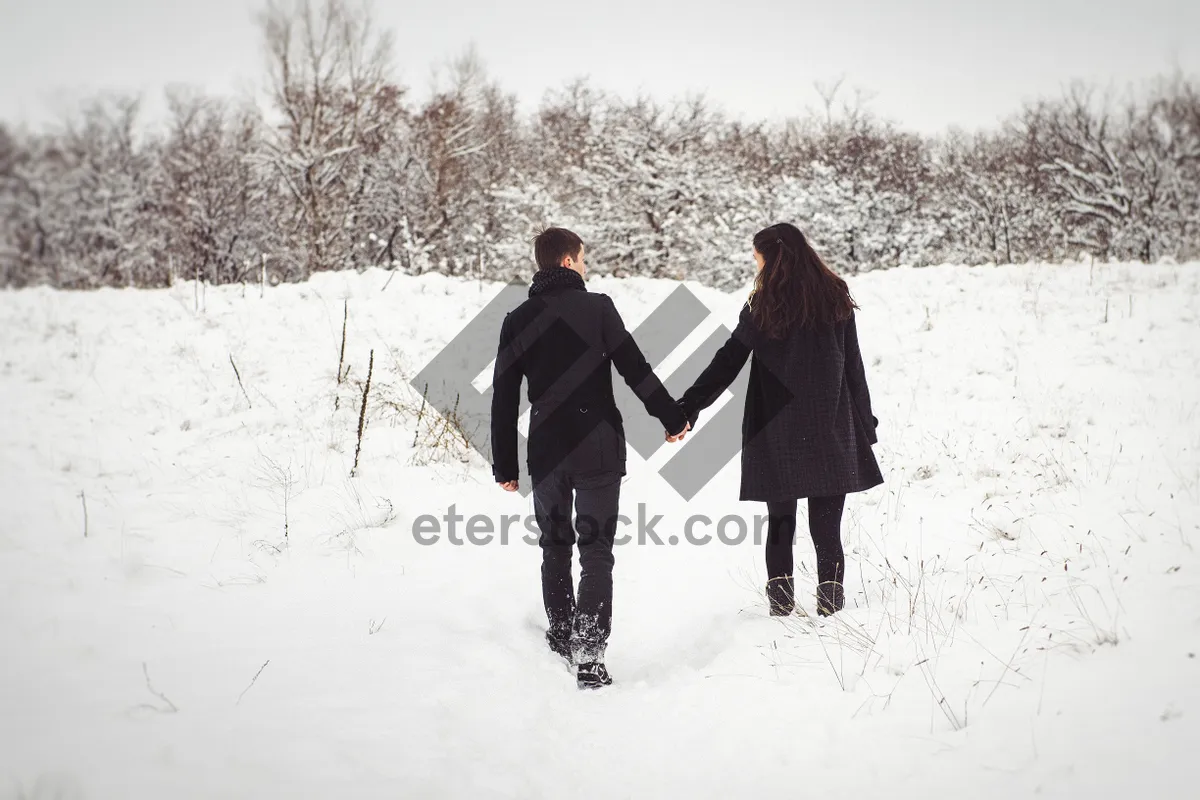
(244, 619)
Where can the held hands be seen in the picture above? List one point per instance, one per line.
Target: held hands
(686, 427)
(509, 486)
(679, 436)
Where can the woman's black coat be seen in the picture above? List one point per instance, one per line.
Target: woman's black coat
(808, 427)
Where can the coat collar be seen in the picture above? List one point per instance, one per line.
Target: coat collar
(545, 280)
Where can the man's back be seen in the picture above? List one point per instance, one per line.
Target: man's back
(559, 339)
(564, 340)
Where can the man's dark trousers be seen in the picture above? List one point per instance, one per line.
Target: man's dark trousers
(582, 624)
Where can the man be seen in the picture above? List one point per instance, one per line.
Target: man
(563, 339)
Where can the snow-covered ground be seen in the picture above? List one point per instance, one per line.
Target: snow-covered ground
(1024, 592)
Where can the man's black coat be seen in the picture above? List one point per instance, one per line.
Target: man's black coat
(563, 339)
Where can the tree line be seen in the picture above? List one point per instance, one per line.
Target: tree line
(342, 169)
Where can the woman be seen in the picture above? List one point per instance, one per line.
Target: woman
(808, 429)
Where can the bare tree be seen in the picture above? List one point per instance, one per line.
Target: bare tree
(828, 92)
(210, 189)
(992, 199)
(1077, 144)
(1125, 173)
(1164, 148)
(337, 107)
(22, 241)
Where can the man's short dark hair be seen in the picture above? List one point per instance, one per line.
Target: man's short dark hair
(553, 244)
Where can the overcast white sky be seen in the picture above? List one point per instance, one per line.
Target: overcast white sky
(929, 63)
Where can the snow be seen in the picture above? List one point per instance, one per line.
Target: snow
(1023, 592)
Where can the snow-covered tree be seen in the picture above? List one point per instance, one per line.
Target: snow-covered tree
(1124, 178)
(993, 198)
(79, 202)
(345, 170)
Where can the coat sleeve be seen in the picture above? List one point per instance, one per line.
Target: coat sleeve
(856, 378)
(723, 368)
(506, 402)
(638, 374)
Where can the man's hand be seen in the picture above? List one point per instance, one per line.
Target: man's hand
(679, 436)
(509, 486)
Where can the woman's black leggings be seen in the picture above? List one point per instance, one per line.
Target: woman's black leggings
(825, 525)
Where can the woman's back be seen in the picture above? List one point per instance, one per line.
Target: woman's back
(810, 363)
(808, 428)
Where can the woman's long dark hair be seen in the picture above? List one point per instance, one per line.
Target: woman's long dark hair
(795, 288)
